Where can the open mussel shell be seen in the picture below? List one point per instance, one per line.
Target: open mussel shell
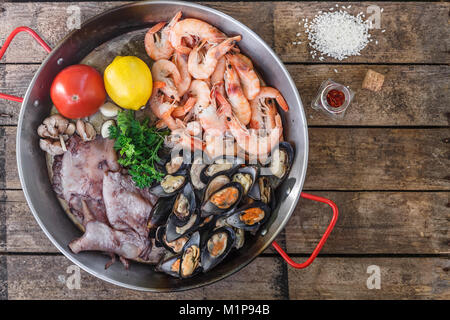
(223, 200)
(184, 205)
(170, 265)
(262, 190)
(175, 229)
(190, 258)
(246, 176)
(216, 247)
(281, 159)
(160, 213)
(169, 185)
(214, 184)
(250, 217)
(222, 165)
(175, 246)
(195, 171)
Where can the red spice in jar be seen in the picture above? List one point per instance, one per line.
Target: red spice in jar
(335, 98)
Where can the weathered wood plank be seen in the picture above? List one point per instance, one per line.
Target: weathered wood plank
(369, 222)
(411, 95)
(44, 277)
(340, 159)
(347, 278)
(50, 20)
(373, 223)
(414, 32)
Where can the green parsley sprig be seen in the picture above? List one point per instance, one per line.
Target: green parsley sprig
(138, 146)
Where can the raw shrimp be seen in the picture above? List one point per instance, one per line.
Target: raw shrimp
(163, 110)
(167, 72)
(219, 72)
(181, 137)
(264, 109)
(271, 93)
(159, 47)
(247, 75)
(202, 67)
(181, 61)
(251, 141)
(239, 102)
(193, 28)
(181, 111)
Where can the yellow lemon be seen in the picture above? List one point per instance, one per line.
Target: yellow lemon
(128, 82)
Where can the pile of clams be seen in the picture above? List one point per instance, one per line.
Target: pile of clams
(204, 209)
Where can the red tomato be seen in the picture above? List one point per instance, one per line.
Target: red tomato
(78, 91)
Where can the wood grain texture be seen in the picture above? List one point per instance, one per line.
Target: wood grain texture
(44, 277)
(50, 21)
(326, 278)
(340, 159)
(373, 223)
(414, 32)
(411, 95)
(369, 223)
(406, 40)
(346, 278)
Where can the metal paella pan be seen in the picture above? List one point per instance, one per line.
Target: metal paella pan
(36, 106)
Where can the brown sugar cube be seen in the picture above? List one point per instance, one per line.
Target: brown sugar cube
(373, 80)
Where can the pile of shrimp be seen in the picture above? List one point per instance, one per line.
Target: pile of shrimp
(208, 93)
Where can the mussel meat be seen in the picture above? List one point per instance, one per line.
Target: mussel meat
(222, 165)
(190, 259)
(171, 266)
(175, 229)
(281, 161)
(247, 177)
(169, 185)
(185, 204)
(217, 246)
(223, 200)
(196, 168)
(175, 246)
(250, 217)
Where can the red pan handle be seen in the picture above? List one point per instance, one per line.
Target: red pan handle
(322, 240)
(6, 45)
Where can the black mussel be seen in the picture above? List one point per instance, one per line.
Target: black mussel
(223, 165)
(160, 213)
(175, 230)
(175, 246)
(169, 185)
(184, 205)
(170, 265)
(250, 217)
(190, 259)
(246, 176)
(216, 247)
(281, 159)
(215, 184)
(223, 200)
(195, 170)
(261, 190)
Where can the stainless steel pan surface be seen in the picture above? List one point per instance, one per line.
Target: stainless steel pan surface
(36, 106)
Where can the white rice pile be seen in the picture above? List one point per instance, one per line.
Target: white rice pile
(337, 34)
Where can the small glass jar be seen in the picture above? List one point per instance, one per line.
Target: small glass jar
(320, 102)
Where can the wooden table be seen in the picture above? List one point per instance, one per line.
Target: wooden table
(386, 164)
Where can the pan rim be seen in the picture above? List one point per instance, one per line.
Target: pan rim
(296, 189)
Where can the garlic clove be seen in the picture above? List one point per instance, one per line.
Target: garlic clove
(105, 128)
(109, 110)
